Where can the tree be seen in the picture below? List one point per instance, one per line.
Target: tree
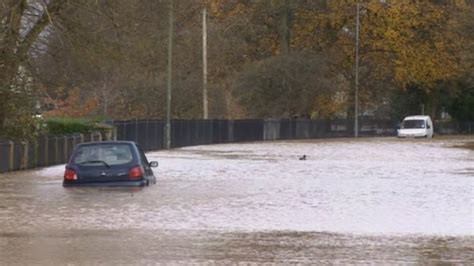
(284, 86)
(112, 55)
(403, 43)
(21, 24)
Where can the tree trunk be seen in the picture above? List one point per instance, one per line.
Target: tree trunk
(8, 54)
(285, 13)
(14, 48)
(434, 105)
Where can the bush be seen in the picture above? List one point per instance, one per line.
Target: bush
(462, 108)
(61, 126)
(21, 127)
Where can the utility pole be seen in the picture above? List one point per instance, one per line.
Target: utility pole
(170, 61)
(204, 65)
(356, 98)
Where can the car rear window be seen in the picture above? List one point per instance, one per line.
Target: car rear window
(106, 154)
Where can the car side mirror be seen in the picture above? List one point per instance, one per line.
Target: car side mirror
(428, 127)
(153, 164)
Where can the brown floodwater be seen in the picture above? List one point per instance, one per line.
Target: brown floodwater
(254, 203)
(114, 247)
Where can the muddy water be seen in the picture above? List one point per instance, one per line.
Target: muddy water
(147, 247)
(368, 201)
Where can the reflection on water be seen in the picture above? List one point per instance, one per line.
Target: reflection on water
(333, 208)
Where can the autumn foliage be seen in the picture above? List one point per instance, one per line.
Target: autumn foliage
(71, 104)
(279, 58)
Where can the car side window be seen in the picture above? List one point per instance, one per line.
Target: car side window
(142, 155)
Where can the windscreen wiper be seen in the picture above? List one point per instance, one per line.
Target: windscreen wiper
(96, 161)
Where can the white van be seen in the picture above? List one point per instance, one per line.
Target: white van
(418, 126)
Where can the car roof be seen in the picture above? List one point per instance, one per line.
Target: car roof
(121, 142)
(416, 117)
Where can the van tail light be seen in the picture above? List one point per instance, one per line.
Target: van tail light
(70, 175)
(136, 173)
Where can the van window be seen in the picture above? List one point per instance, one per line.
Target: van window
(413, 124)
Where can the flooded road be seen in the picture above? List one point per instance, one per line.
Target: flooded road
(352, 201)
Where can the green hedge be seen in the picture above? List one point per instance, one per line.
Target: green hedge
(60, 126)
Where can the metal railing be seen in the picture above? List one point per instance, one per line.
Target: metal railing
(43, 151)
(149, 134)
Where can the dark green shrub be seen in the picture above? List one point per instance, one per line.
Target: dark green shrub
(462, 108)
(61, 126)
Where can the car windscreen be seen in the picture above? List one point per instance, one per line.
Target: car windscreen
(106, 154)
(413, 124)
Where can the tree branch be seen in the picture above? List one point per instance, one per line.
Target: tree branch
(39, 27)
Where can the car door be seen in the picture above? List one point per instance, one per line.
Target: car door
(146, 165)
(431, 128)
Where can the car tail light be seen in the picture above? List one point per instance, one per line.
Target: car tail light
(136, 172)
(70, 174)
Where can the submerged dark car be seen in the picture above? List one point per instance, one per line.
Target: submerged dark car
(109, 163)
